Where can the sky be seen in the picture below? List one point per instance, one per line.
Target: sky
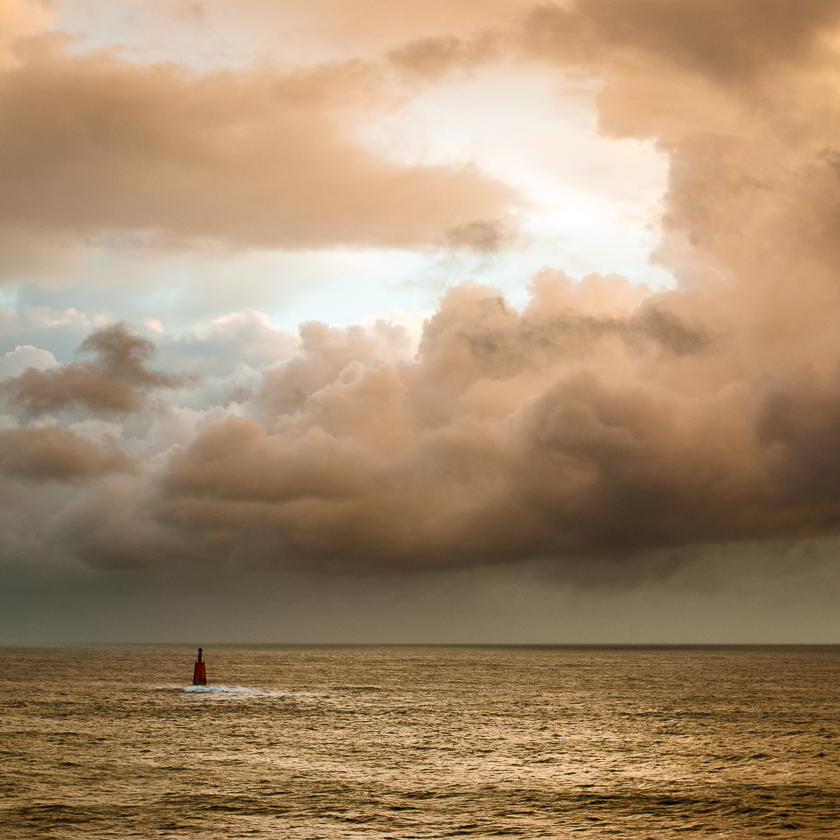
(491, 322)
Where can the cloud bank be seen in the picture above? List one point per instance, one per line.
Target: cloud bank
(601, 419)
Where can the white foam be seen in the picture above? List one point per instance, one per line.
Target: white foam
(223, 689)
(245, 690)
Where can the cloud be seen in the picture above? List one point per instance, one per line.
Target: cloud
(116, 382)
(428, 58)
(61, 330)
(601, 420)
(22, 357)
(20, 19)
(53, 453)
(728, 41)
(737, 93)
(484, 236)
(491, 446)
(229, 342)
(94, 143)
(574, 427)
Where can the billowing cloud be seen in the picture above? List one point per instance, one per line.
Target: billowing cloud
(600, 420)
(506, 439)
(574, 427)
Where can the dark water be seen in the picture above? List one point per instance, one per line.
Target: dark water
(421, 742)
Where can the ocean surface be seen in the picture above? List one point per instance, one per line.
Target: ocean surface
(420, 742)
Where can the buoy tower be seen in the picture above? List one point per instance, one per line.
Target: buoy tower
(199, 671)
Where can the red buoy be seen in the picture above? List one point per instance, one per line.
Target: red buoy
(199, 671)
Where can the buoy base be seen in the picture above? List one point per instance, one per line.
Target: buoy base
(199, 674)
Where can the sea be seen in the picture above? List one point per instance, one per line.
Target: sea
(329, 742)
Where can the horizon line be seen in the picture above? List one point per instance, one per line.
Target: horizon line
(334, 644)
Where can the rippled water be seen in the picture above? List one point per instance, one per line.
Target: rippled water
(411, 742)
